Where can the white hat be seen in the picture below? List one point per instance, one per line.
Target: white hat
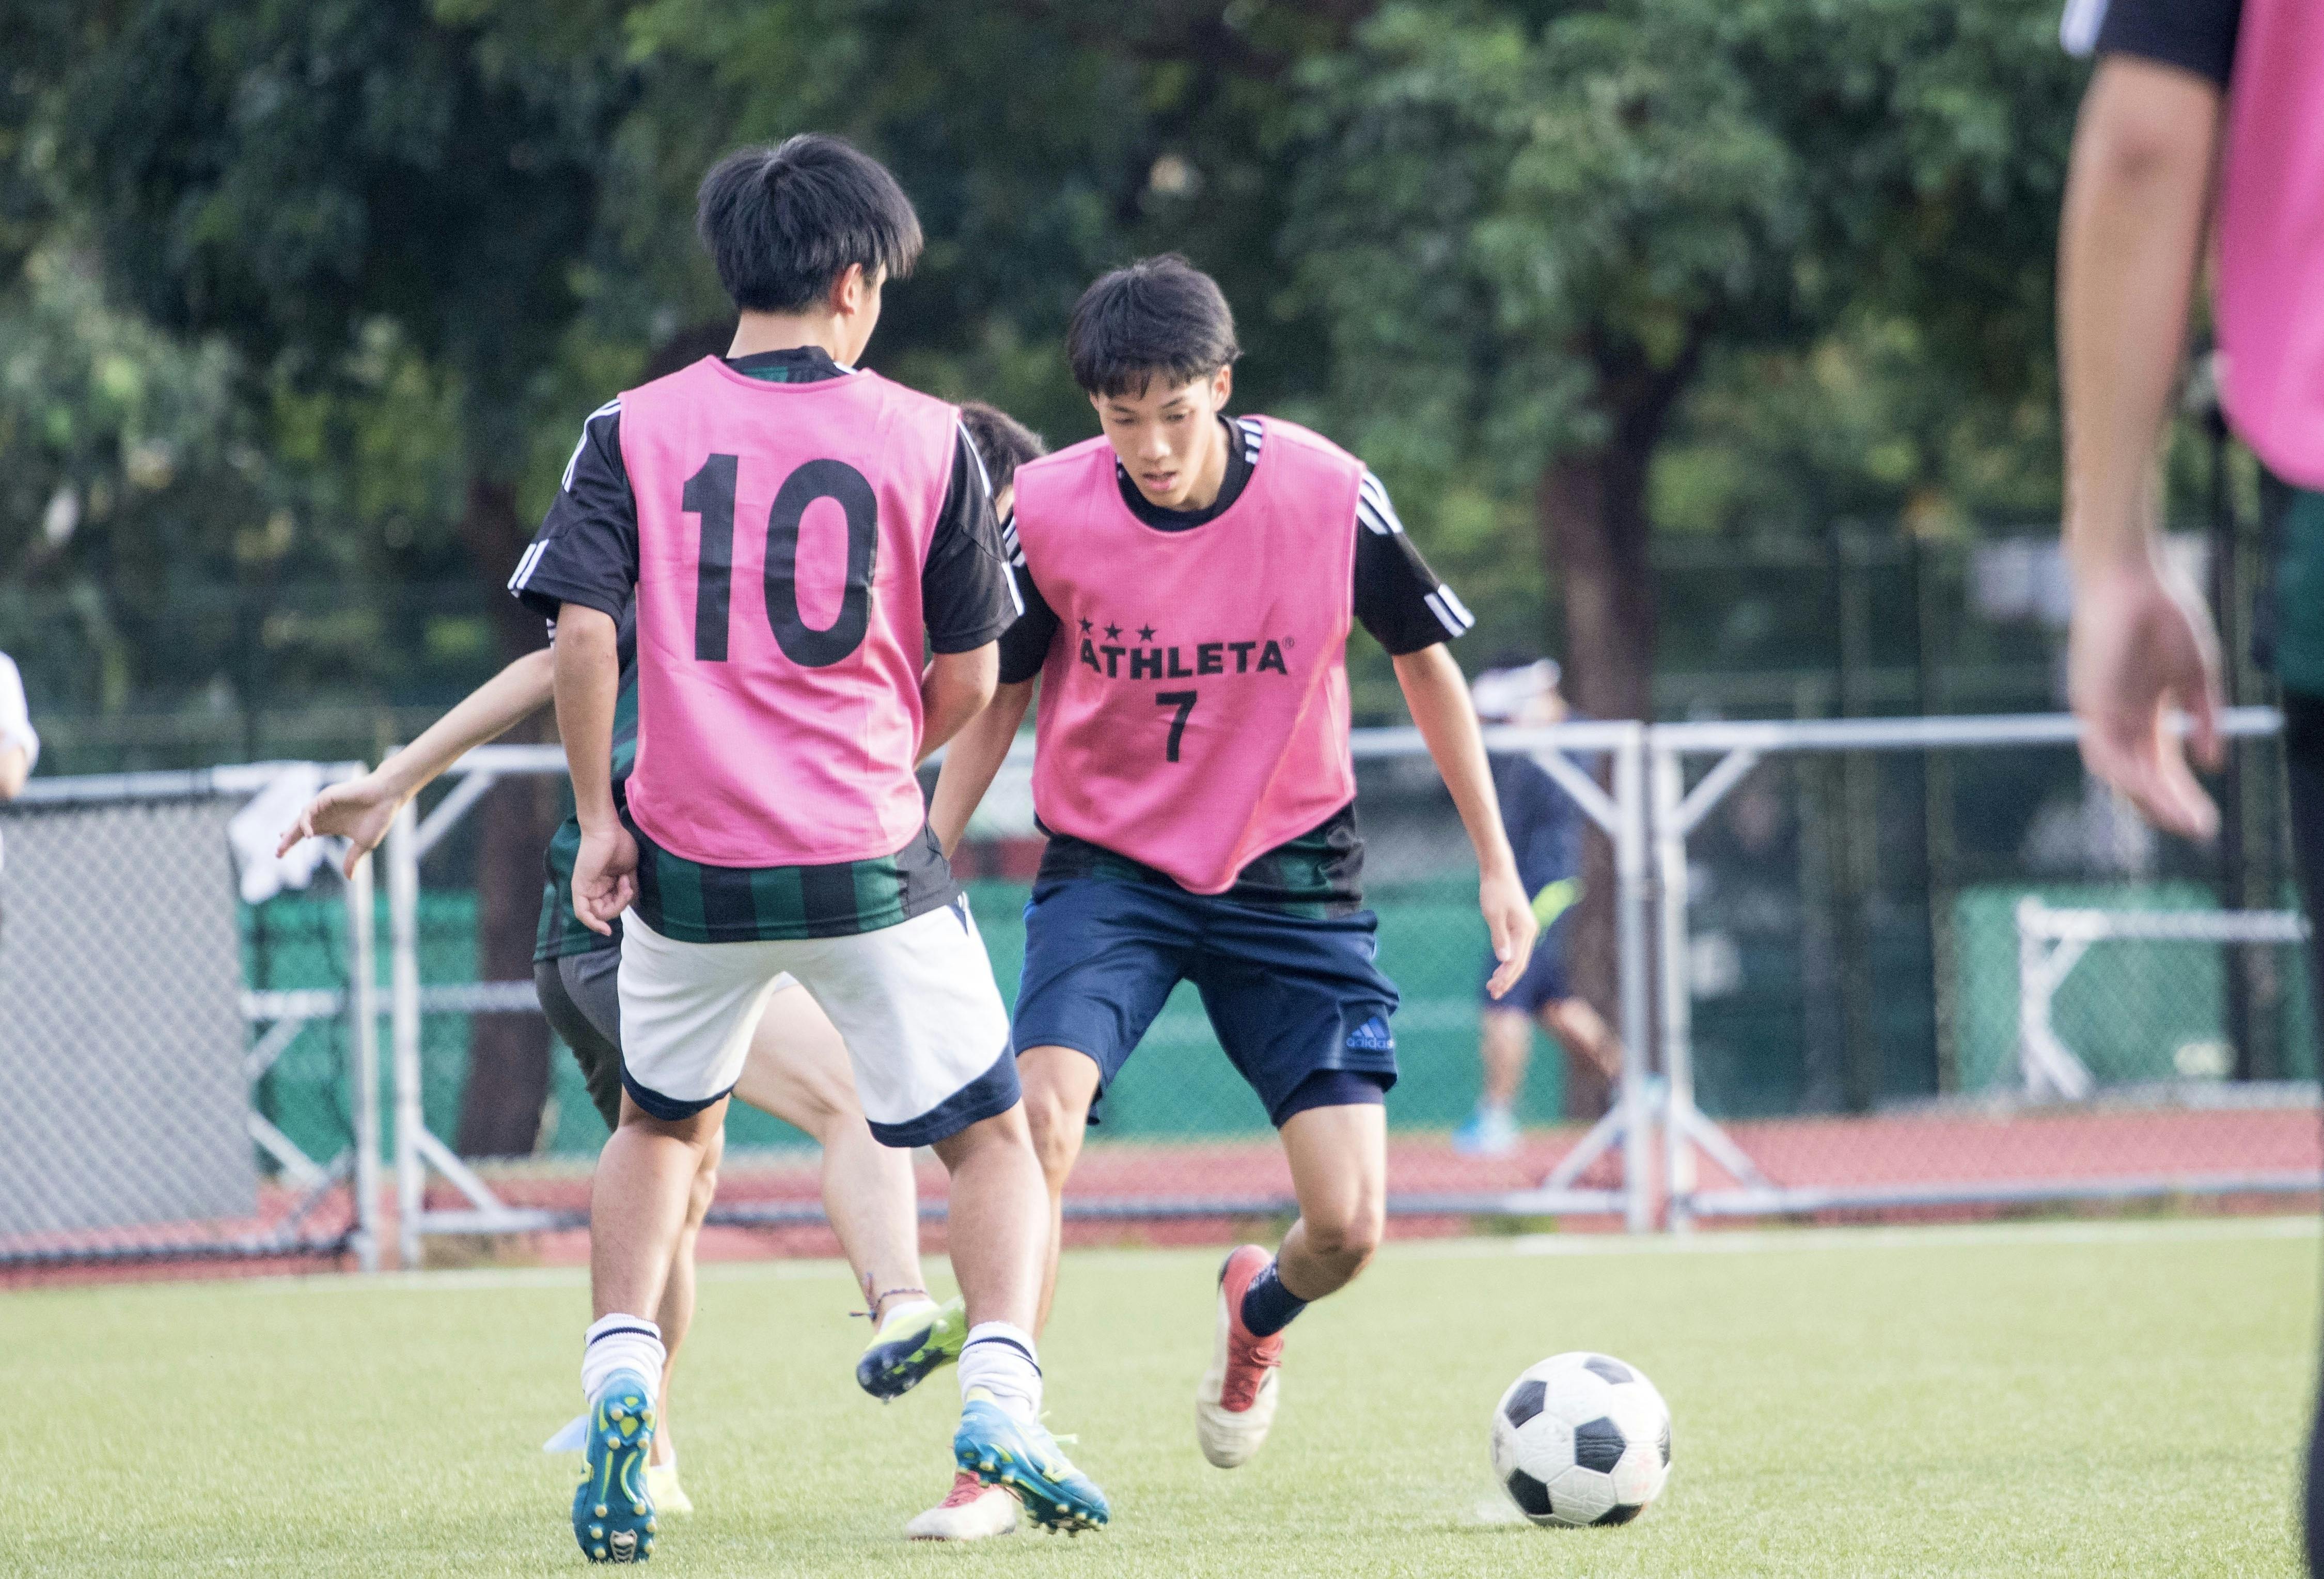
(1503, 694)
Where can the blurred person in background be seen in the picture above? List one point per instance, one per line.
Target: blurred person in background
(1545, 829)
(20, 744)
(2199, 112)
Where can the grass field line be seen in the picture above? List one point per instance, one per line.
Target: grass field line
(1737, 1242)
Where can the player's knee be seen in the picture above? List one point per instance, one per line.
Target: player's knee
(1057, 1131)
(703, 1191)
(1348, 1238)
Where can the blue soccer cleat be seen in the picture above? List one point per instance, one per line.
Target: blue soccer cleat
(1000, 1450)
(612, 1510)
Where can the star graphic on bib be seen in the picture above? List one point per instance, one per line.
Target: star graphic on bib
(1085, 627)
(1113, 633)
(1145, 633)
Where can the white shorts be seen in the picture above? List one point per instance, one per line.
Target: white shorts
(915, 1003)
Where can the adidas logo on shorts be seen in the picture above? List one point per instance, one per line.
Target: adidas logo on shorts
(1372, 1037)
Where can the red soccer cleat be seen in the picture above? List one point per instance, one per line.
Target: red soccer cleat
(1236, 1403)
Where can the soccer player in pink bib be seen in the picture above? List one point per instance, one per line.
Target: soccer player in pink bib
(800, 533)
(1190, 582)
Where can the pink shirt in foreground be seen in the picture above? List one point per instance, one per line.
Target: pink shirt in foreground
(2271, 295)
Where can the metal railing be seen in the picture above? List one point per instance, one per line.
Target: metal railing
(1735, 751)
(1622, 1137)
(1646, 808)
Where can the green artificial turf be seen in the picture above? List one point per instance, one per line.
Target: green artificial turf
(2054, 1400)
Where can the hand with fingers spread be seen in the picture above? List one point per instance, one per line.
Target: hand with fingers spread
(2142, 649)
(359, 810)
(1509, 919)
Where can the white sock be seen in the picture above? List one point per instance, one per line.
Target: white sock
(902, 1308)
(620, 1342)
(1000, 1359)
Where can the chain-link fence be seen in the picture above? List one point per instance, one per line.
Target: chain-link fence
(183, 1044)
(1181, 1135)
(1931, 963)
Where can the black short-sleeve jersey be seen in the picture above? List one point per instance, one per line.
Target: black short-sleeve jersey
(2194, 35)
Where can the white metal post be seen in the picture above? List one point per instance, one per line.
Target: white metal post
(403, 1023)
(1669, 787)
(1630, 900)
(362, 1056)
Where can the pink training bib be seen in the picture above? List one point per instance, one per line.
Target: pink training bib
(1194, 707)
(782, 532)
(2270, 300)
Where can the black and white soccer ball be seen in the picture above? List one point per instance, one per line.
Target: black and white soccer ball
(1582, 1439)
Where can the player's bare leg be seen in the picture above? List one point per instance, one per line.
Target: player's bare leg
(1059, 1086)
(999, 1222)
(1505, 1047)
(639, 1206)
(638, 1200)
(675, 1314)
(1583, 1032)
(1339, 1170)
(798, 1071)
(1000, 1230)
(1055, 1108)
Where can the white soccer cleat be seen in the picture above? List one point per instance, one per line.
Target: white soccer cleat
(1235, 1405)
(664, 1492)
(972, 1512)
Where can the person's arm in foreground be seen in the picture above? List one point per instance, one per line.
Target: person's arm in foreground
(2129, 242)
(977, 752)
(588, 682)
(361, 810)
(1438, 696)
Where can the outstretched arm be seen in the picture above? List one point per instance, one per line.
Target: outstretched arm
(361, 810)
(976, 755)
(2141, 645)
(1439, 699)
(588, 683)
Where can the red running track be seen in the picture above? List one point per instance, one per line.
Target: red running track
(1892, 1150)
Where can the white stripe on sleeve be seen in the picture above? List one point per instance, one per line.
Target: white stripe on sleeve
(2078, 29)
(1449, 612)
(609, 408)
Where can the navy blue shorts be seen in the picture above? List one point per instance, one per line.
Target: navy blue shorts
(1545, 980)
(1299, 1004)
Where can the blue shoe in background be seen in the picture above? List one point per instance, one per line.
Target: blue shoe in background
(1489, 1132)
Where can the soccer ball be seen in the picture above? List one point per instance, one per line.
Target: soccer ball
(1582, 1439)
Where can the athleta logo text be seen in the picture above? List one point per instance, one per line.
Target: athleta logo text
(1116, 660)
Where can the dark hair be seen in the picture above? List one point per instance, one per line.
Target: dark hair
(1003, 442)
(783, 223)
(1157, 317)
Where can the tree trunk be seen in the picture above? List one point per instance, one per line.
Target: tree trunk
(508, 1054)
(1595, 529)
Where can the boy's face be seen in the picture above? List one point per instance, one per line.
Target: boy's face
(1167, 438)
